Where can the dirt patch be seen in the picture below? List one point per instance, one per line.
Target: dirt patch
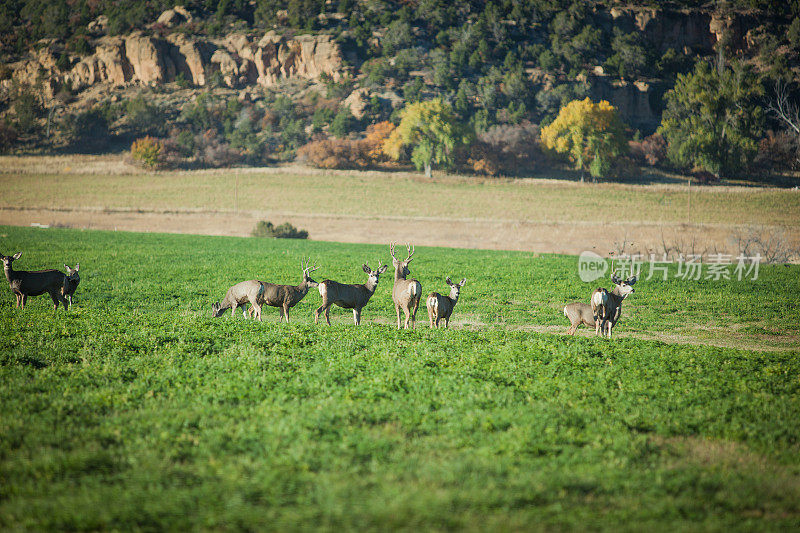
(565, 237)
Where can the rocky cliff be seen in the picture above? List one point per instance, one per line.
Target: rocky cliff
(239, 59)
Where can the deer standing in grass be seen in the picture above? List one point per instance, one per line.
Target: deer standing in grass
(26, 283)
(607, 305)
(406, 292)
(441, 307)
(353, 297)
(287, 296)
(579, 313)
(240, 294)
(71, 281)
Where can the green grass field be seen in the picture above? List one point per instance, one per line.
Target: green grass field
(137, 410)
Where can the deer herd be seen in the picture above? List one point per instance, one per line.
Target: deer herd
(602, 312)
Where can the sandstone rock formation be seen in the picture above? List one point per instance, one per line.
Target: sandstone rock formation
(175, 16)
(240, 59)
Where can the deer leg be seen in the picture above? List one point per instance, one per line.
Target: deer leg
(414, 314)
(356, 317)
(397, 309)
(317, 312)
(407, 314)
(233, 310)
(286, 312)
(24, 300)
(54, 297)
(447, 322)
(328, 315)
(571, 330)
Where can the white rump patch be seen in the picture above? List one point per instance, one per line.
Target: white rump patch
(599, 298)
(323, 289)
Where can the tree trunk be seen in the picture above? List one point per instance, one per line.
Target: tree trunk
(427, 170)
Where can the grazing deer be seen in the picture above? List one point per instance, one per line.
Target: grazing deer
(287, 296)
(406, 292)
(353, 297)
(26, 283)
(441, 307)
(607, 305)
(579, 313)
(240, 294)
(71, 281)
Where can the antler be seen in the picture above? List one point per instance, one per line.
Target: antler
(306, 268)
(410, 250)
(391, 250)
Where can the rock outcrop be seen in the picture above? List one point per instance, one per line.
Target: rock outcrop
(139, 58)
(638, 103)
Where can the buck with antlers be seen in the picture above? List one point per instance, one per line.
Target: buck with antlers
(26, 283)
(607, 305)
(287, 296)
(353, 297)
(441, 307)
(406, 292)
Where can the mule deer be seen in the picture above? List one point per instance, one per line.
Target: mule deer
(242, 293)
(353, 297)
(26, 283)
(441, 307)
(607, 305)
(406, 292)
(71, 281)
(287, 296)
(579, 313)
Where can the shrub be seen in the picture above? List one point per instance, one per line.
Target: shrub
(8, 136)
(332, 153)
(143, 117)
(778, 151)
(652, 150)
(87, 129)
(343, 123)
(147, 152)
(265, 229)
(505, 149)
(26, 109)
(377, 134)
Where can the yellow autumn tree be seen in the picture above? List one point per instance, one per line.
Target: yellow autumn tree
(591, 134)
(432, 132)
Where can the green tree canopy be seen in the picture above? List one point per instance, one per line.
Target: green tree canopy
(432, 132)
(591, 134)
(712, 119)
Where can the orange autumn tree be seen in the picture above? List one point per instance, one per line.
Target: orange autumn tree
(590, 134)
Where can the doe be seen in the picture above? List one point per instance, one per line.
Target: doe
(26, 283)
(441, 307)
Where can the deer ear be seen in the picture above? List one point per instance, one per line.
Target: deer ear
(615, 279)
(448, 281)
(67, 267)
(366, 268)
(631, 280)
(77, 266)
(463, 282)
(382, 269)
(17, 255)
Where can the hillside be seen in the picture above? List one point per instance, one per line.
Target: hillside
(238, 82)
